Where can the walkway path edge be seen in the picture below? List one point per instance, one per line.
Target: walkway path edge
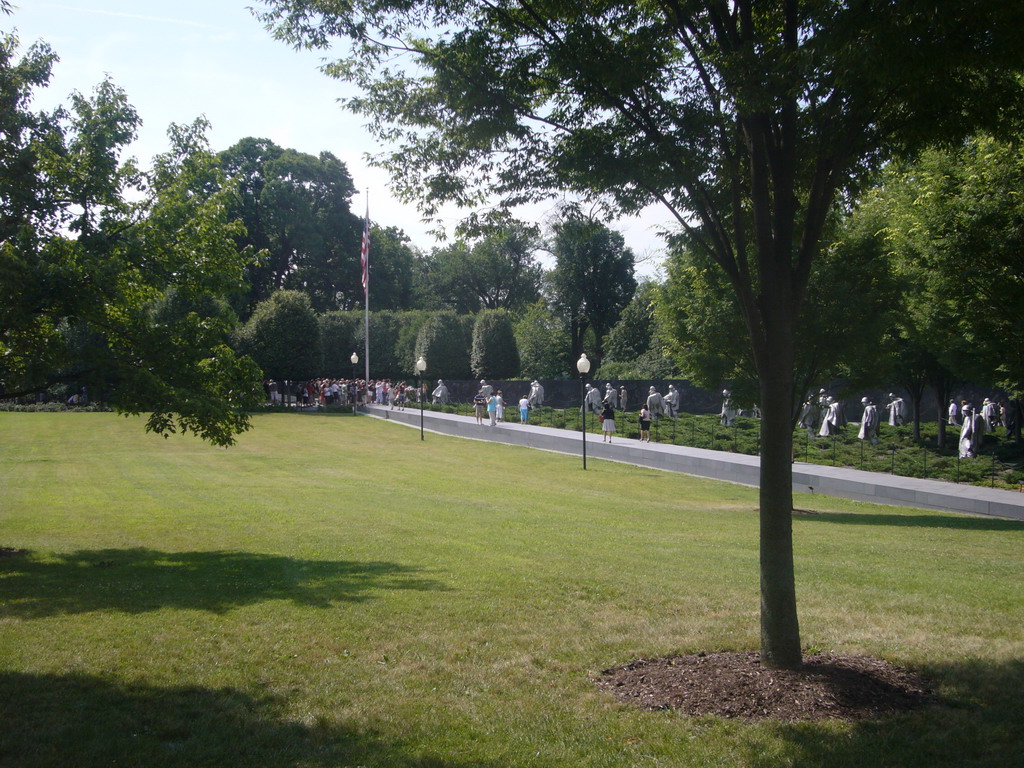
(730, 467)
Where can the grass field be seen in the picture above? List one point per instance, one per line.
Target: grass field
(333, 592)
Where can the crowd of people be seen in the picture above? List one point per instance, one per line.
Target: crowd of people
(329, 392)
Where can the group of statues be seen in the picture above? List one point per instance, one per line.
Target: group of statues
(535, 397)
(975, 423)
(440, 395)
(595, 402)
(823, 416)
(659, 405)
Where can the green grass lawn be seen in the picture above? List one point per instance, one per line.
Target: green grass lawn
(334, 592)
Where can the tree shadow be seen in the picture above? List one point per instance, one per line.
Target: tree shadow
(978, 723)
(141, 580)
(84, 721)
(962, 522)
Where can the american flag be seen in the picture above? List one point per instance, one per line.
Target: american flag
(364, 254)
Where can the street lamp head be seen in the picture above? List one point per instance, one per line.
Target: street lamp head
(421, 365)
(583, 365)
(354, 358)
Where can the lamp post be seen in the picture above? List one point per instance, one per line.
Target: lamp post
(355, 389)
(583, 366)
(421, 366)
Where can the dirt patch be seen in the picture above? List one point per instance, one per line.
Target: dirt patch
(737, 685)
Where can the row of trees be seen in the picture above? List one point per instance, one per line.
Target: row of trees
(297, 217)
(288, 339)
(918, 285)
(924, 265)
(298, 225)
(156, 288)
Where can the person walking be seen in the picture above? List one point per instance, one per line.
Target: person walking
(607, 422)
(524, 409)
(479, 406)
(492, 409)
(645, 424)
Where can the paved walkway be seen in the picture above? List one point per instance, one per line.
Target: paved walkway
(731, 467)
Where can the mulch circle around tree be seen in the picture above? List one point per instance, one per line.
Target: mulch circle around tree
(737, 685)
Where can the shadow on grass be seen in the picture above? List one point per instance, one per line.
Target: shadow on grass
(964, 522)
(979, 724)
(80, 720)
(140, 580)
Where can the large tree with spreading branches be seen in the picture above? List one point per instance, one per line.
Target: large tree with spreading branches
(746, 119)
(93, 249)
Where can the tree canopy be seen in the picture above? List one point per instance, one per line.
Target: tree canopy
(283, 337)
(851, 303)
(90, 245)
(498, 270)
(296, 212)
(592, 281)
(955, 225)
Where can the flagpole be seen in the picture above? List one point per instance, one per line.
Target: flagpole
(366, 288)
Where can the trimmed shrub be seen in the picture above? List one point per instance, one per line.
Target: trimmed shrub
(283, 337)
(495, 354)
(338, 342)
(443, 344)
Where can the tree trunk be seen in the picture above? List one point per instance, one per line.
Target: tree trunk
(915, 399)
(916, 391)
(780, 629)
(939, 384)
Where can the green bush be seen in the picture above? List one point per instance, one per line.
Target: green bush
(495, 354)
(283, 337)
(442, 343)
(338, 332)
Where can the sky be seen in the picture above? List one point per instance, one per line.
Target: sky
(190, 58)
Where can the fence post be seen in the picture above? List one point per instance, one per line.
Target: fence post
(892, 466)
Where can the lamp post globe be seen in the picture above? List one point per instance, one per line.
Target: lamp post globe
(583, 366)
